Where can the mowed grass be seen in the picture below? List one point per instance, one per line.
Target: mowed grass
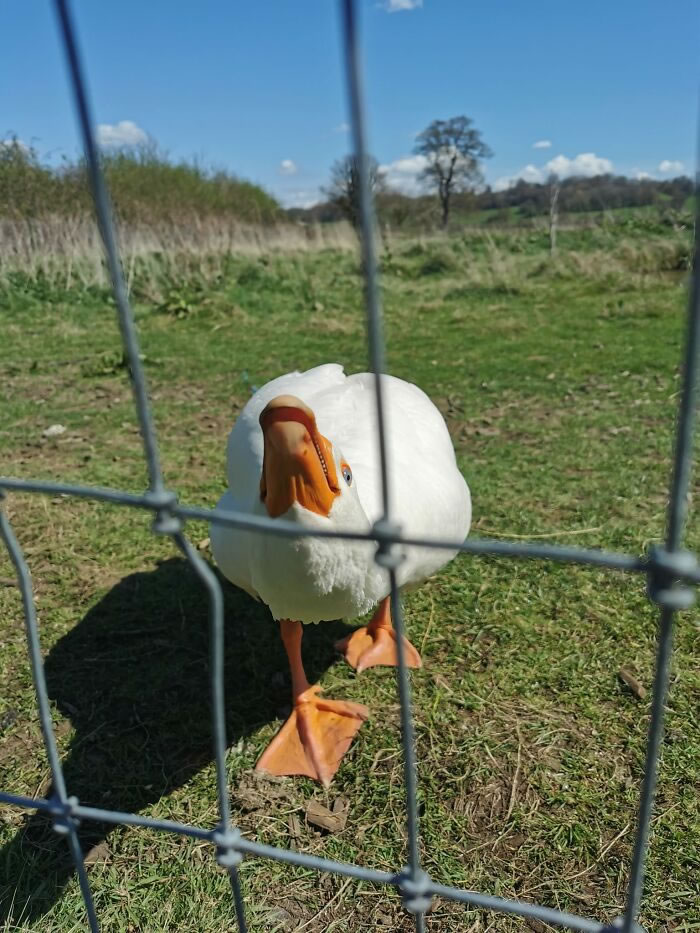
(559, 382)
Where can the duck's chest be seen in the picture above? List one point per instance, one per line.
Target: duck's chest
(315, 579)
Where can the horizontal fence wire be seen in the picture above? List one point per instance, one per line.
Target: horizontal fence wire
(685, 566)
(669, 571)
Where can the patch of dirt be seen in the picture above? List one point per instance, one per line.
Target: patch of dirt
(19, 749)
(289, 914)
(336, 322)
(257, 791)
(491, 421)
(483, 806)
(8, 719)
(90, 577)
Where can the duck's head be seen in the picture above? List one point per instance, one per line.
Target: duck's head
(300, 465)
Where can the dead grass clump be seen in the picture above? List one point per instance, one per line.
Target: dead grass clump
(438, 264)
(606, 270)
(658, 254)
(67, 250)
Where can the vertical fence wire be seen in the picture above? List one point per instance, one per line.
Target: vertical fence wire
(665, 570)
(166, 522)
(661, 587)
(227, 857)
(678, 505)
(64, 821)
(375, 336)
(415, 900)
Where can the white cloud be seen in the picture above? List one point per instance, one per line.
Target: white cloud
(302, 197)
(641, 176)
(124, 133)
(402, 174)
(528, 173)
(587, 163)
(342, 128)
(287, 167)
(396, 6)
(542, 144)
(531, 173)
(670, 165)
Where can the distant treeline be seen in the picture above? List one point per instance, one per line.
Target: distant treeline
(149, 188)
(145, 185)
(602, 192)
(523, 200)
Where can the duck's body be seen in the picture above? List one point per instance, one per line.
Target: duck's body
(305, 449)
(313, 579)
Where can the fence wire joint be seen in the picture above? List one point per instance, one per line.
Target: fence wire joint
(415, 888)
(63, 812)
(227, 852)
(665, 571)
(385, 533)
(619, 923)
(165, 522)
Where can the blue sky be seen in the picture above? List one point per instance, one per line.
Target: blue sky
(257, 87)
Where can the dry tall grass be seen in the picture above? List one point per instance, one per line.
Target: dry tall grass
(68, 249)
(65, 251)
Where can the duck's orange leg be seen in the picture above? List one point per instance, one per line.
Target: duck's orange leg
(376, 643)
(319, 732)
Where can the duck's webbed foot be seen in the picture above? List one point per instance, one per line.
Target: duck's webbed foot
(314, 739)
(375, 644)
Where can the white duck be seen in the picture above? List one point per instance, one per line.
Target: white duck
(305, 449)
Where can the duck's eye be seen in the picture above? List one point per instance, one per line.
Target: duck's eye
(347, 474)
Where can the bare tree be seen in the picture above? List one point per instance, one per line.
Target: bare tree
(344, 187)
(452, 149)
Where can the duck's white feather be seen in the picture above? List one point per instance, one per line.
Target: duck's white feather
(314, 579)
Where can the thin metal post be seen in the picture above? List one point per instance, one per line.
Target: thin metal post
(64, 821)
(369, 260)
(228, 859)
(407, 730)
(662, 590)
(413, 882)
(386, 553)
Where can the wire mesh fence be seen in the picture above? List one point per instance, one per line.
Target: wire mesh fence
(670, 571)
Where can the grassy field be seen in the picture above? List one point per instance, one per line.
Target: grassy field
(559, 382)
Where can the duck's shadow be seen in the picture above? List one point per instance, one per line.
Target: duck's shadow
(133, 678)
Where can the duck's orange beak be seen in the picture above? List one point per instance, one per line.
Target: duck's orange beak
(298, 463)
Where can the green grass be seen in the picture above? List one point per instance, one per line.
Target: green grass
(559, 382)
